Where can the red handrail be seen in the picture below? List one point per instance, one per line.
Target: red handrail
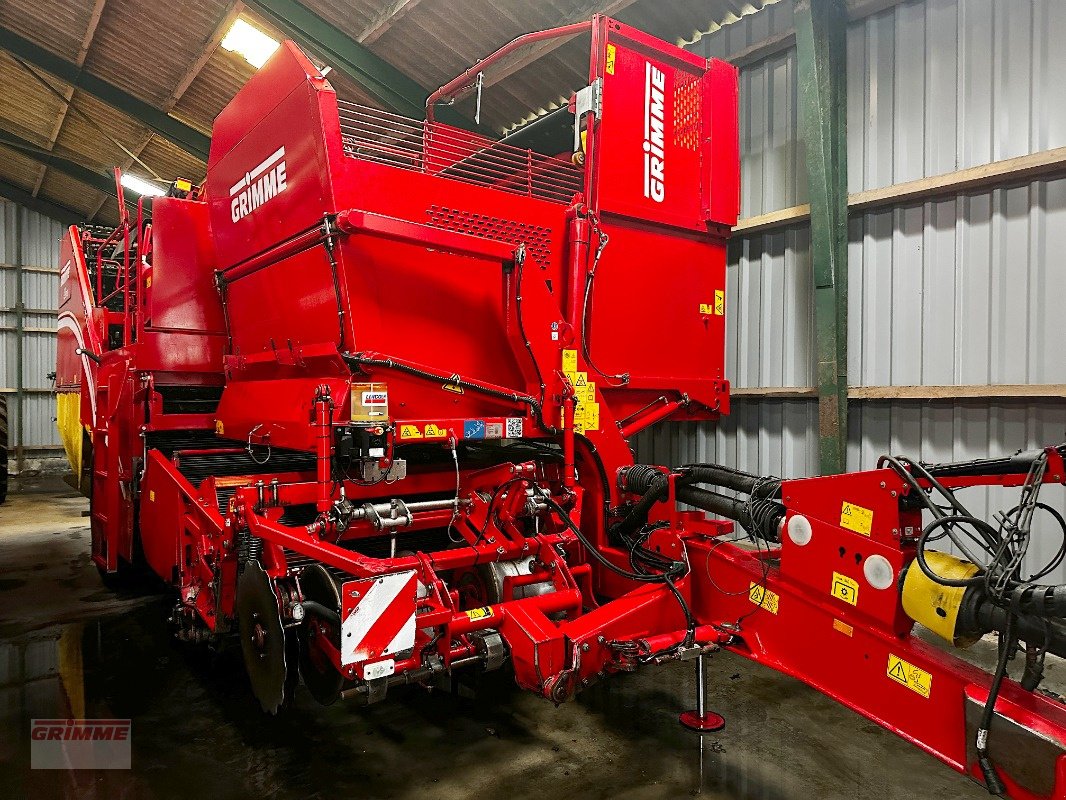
(449, 89)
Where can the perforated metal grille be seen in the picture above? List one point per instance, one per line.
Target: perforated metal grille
(687, 112)
(536, 238)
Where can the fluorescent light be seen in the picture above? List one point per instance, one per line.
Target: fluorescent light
(250, 42)
(141, 186)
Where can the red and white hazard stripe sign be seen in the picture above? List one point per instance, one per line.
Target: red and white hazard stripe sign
(378, 617)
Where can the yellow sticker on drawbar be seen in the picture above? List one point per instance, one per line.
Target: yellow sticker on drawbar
(479, 613)
(569, 360)
(846, 589)
(764, 598)
(856, 518)
(611, 51)
(410, 432)
(435, 431)
(719, 302)
(906, 674)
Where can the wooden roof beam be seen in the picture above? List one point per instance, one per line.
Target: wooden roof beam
(83, 53)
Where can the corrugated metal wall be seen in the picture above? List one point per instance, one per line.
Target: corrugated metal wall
(29, 249)
(963, 290)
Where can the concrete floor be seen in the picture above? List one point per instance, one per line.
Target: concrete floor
(70, 647)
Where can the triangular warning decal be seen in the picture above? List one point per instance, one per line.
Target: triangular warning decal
(897, 673)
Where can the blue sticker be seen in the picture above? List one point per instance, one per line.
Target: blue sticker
(474, 429)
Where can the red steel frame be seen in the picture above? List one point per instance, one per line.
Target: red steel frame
(447, 267)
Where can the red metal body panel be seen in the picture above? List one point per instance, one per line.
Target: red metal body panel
(377, 352)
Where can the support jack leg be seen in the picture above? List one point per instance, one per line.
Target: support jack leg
(701, 719)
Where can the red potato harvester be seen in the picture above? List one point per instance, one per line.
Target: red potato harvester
(365, 399)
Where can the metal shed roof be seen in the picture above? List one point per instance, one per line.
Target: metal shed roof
(102, 83)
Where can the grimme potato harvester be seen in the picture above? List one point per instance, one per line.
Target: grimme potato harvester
(364, 400)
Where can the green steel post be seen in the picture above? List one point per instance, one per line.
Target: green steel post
(821, 33)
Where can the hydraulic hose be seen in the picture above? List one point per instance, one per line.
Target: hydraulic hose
(758, 513)
(727, 478)
(652, 484)
(758, 517)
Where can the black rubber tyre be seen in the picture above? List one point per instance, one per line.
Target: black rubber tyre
(3, 449)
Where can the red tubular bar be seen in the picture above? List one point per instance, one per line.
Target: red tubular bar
(360, 566)
(324, 448)
(364, 222)
(650, 417)
(550, 603)
(459, 82)
(579, 252)
(291, 247)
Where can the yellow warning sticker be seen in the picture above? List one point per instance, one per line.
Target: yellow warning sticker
(906, 674)
(569, 360)
(843, 627)
(410, 432)
(846, 589)
(592, 416)
(479, 613)
(611, 51)
(719, 302)
(220, 429)
(590, 392)
(581, 382)
(151, 495)
(453, 387)
(435, 431)
(706, 308)
(764, 598)
(856, 518)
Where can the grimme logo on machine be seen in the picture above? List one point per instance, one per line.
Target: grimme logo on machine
(654, 132)
(258, 185)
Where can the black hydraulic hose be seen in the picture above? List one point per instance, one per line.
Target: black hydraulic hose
(1018, 463)
(743, 511)
(680, 566)
(1040, 601)
(715, 503)
(986, 616)
(936, 524)
(992, 780)
(329, 614)
(652, 484)
(638, 514)
(731, 479)
(357, 359)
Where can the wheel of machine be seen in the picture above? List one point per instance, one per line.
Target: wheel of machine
(262, 637)
(321, 679)
(3, 449)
